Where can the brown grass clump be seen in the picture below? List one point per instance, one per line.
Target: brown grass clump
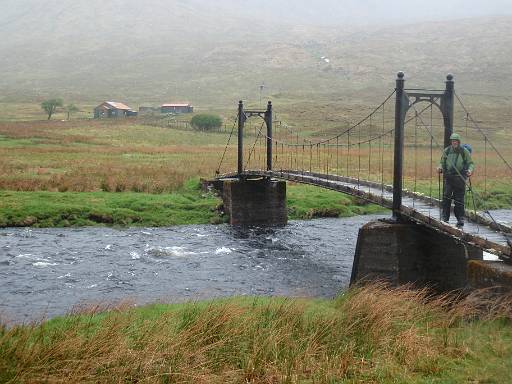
(371, 334)
(122, 155)
(113, 156)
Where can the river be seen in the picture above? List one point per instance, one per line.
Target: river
(47, 272)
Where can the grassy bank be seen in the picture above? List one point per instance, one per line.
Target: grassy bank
(186, 206)
(55, 209)
(370, 335)
(308, 202)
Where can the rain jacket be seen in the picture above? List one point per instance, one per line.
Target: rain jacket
(455, 161)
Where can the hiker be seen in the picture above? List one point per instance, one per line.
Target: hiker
(456, 165)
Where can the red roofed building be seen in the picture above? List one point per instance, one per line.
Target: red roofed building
(176, 108)
(111, 109)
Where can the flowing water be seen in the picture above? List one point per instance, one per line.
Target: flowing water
(47, 272)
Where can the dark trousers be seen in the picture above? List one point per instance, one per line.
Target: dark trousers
(454, 189)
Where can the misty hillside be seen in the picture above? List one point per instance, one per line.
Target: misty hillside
(217, 52)
(325, 12)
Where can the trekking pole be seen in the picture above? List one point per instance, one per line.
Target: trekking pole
(439, 194)
(472, 194)
(470, 189)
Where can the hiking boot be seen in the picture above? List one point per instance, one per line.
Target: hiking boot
(446, 219)
(460, 223)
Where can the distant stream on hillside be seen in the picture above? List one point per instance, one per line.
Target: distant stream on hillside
(47, 272)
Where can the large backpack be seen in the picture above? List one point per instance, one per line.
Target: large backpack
(469, 148)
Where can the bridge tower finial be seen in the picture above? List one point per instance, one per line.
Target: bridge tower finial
(447, 104)
(400, 111)
(241, 121)
(269, 121)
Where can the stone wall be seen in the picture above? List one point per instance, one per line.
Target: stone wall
(490, 274)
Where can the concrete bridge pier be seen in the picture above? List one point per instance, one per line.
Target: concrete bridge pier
(260, 201)
(405, 252)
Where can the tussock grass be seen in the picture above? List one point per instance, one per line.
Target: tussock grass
(122, 155)
(371, 334)
(110, 156)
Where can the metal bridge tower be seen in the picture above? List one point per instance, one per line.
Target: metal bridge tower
(405, 99)
(243, 115)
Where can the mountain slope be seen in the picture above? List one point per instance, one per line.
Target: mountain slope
(217, 52)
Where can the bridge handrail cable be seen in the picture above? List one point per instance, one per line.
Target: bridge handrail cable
(277, 141)
(354, 126)
(459, 174)
(483, 133)
(254, 144)
(217, 172)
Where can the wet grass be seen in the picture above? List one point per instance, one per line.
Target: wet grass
(54, 209)
(188, 205)
(308, 202)
(373, 334)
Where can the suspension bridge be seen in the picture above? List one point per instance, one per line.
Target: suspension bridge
(388, 157)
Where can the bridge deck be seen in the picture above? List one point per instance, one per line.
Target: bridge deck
(478, 230)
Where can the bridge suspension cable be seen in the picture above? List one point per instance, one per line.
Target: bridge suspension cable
(351, 128)
(467, 182)
(217, 171)
(361, 159)
(333, 156)
(486, 137)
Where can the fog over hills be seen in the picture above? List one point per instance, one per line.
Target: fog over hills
(331, 12)
(215, 52)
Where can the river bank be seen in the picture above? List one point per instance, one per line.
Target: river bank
(187, 206)
(373, 334)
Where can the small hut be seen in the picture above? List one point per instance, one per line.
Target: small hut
(111, 109)
(176, 108)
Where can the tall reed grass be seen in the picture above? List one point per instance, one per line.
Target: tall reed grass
(113, 156)
(372, 334)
